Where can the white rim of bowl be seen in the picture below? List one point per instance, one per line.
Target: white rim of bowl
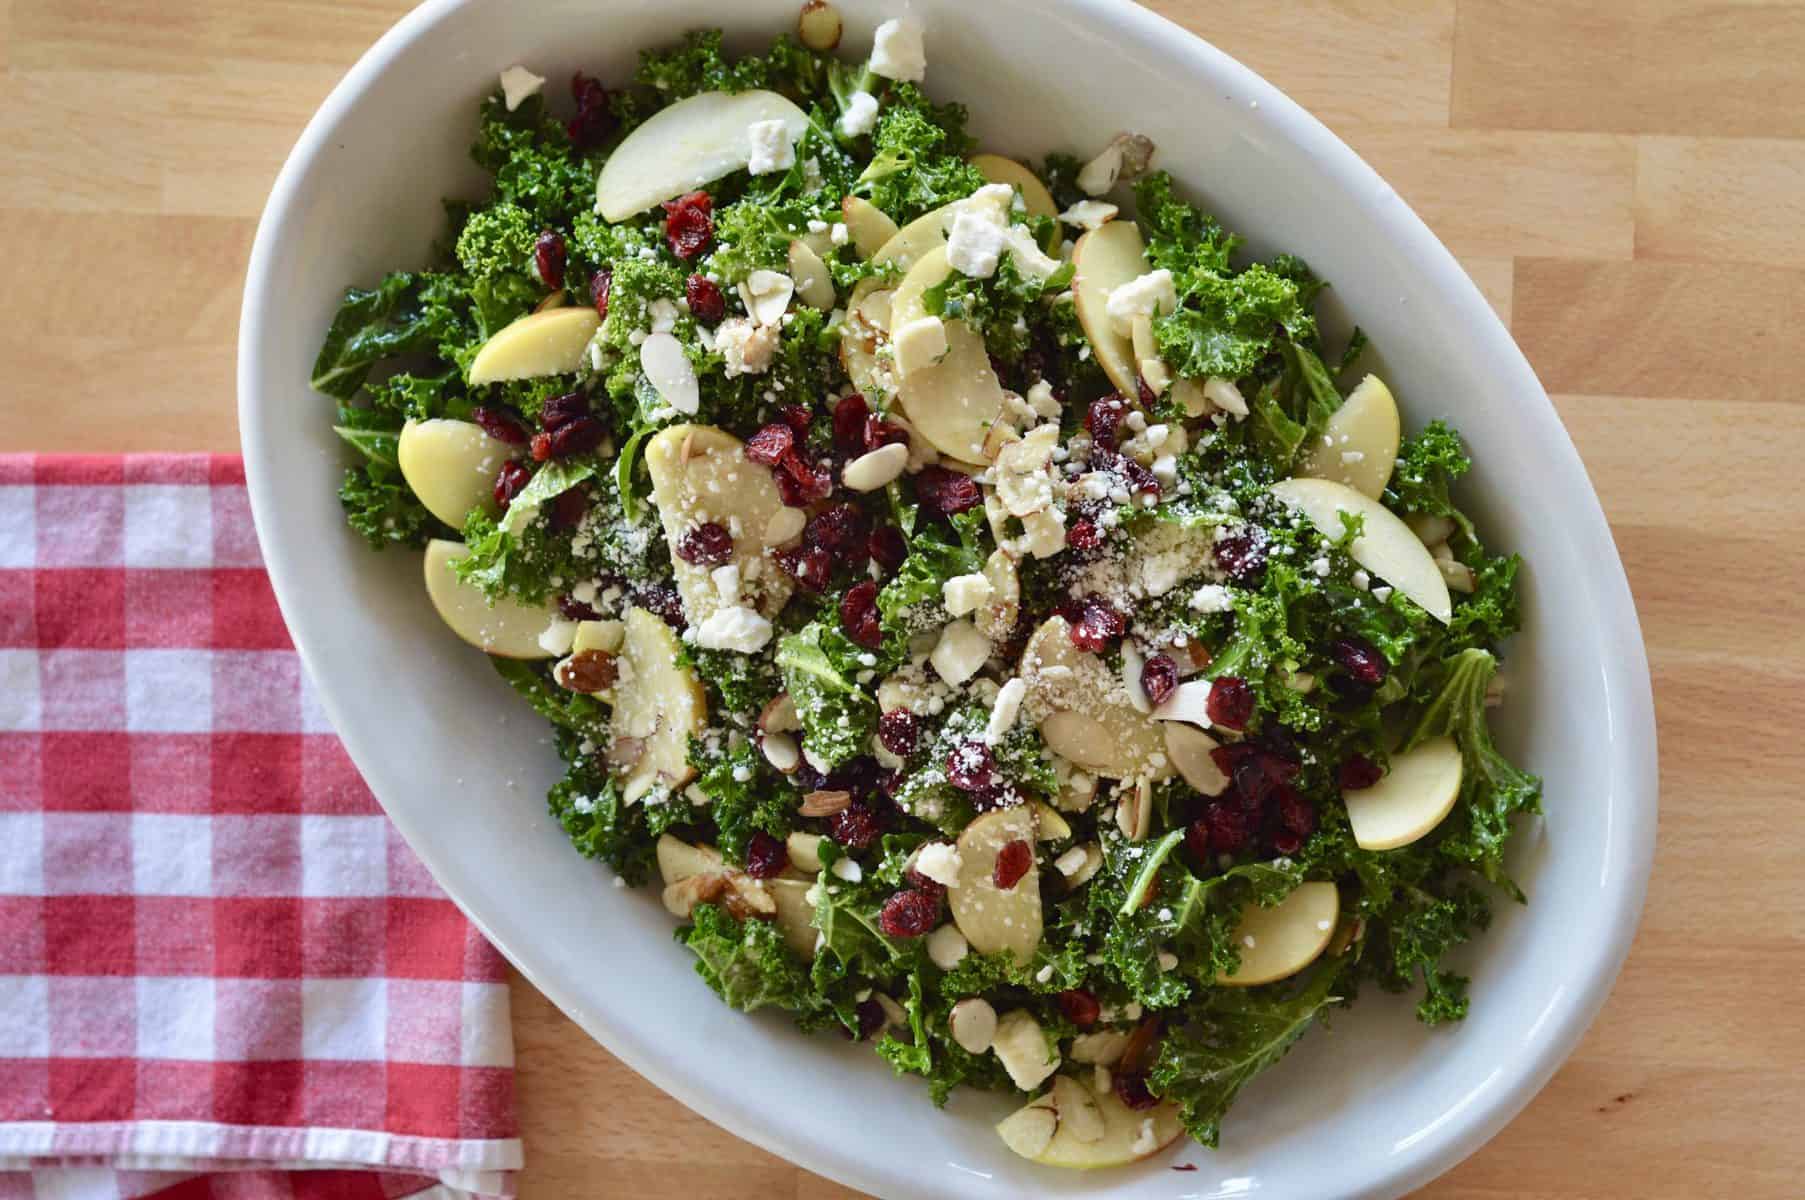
(1472, 1120)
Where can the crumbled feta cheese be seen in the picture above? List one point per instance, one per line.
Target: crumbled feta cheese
(1004, 710)
(1071, 862)
(663, 315)
(838, 234)
(1362, 580)
(975, 243)
(1042, 401)
(747, 348)
(1320, 567)
(960, 652)
(517, 83)
(1089, 214)
(897, 52)
(940, 862)
(737, 628)
(1148, 295)
(1146, 1141)
(861, 115)
(1381, 594)
(965, 593)
(771, 147)
(727, 581)
(558, 636)
(919, 343)
(1212, 598)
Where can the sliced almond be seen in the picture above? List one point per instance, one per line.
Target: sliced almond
(824, 803)
(1189, 749)
(667, 368)
(819, 26)
(1134, 812)
(781, 751)
(876, 469)
(779, 715)
(814, 285)
(766, 295)
(1189, 701)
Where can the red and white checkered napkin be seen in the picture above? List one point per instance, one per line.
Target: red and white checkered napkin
(222, 973)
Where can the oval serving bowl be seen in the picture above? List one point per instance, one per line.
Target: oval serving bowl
(1373, 1107)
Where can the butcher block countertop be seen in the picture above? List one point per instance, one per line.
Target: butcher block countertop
(1625, 180)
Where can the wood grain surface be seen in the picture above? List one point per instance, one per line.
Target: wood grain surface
(1624, 178)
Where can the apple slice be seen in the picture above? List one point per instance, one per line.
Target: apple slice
(867, 225)
(1282, 940)
(700, 473)
(1118, 1135)
(678, 860)
(658, 707)
(928, 231)
(1088, 717)
(1415, 795)
(863, 332)
(681, 148)
(506, 629)
(1035, 195)
(451, 467)
(795, 914)
(1386, 547)
(1106, 259)
(996, 919)
(542, 343)
(954, 401)
(1360, 443)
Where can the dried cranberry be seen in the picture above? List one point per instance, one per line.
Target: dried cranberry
(879, 433)
(575, 437)
(508, 482)
(1141, 481)
(809, 567)
(689, 224)
(856, 826)
(1284, 841)
(501, 425)
(1083, 534)
(850, 413)
(542, 447)
(569, 508)
(797, 418)
(897, 730)
(858, 615)
(971, 767)
(1148, 396)
(1252, 781)
(706, 304)
(768, 446)
(1230, 703)
(839, 530)
(1360, 659)
(1080, 1007)
(1358, 771)
(549, 258)
(707, 545)
(594, 120)
(601, 284)
(909, 913)
(888, 546)
(766, 857)
(576, 610)
(1013, 861)
(1197, 839)
(1159, 678)
(1227, 827)
(1104, 418)
(662, 602)
(801, 483)
(1131, 1090)
(871, 1019)
(560, 411)
(1095, 623)
(944, 491)
(1296, 813)
(1242, 557)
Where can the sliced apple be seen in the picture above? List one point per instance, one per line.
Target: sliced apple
(658, 707)
(451, 467)
(814, 286)
(863, 333)
(955, 401)
(678, 860)
(993, 919)
(1415, 796)
(795, 914)
(908, 302)
(1280, 941)
(701, 473)
(1106, 259)
(928, 231)
(1359, 445)
(867, 225)
(1035, 195)
(1386, 547)
(1086, 715)
(1087, 1133)
(542, 343)
(686, 146)
(506, 629)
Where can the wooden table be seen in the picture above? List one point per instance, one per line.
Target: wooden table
(1626, 181)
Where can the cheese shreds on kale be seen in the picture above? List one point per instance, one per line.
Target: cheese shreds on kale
(891, 712)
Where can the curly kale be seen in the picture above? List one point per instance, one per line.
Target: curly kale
(820, 668)
(919, 156)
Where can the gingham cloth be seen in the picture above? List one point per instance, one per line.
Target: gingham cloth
(222, 973)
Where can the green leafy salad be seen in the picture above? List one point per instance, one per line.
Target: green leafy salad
(975, 593)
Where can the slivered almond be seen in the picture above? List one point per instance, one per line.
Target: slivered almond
(824, 804)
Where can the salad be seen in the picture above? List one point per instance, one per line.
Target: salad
(977, 595)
